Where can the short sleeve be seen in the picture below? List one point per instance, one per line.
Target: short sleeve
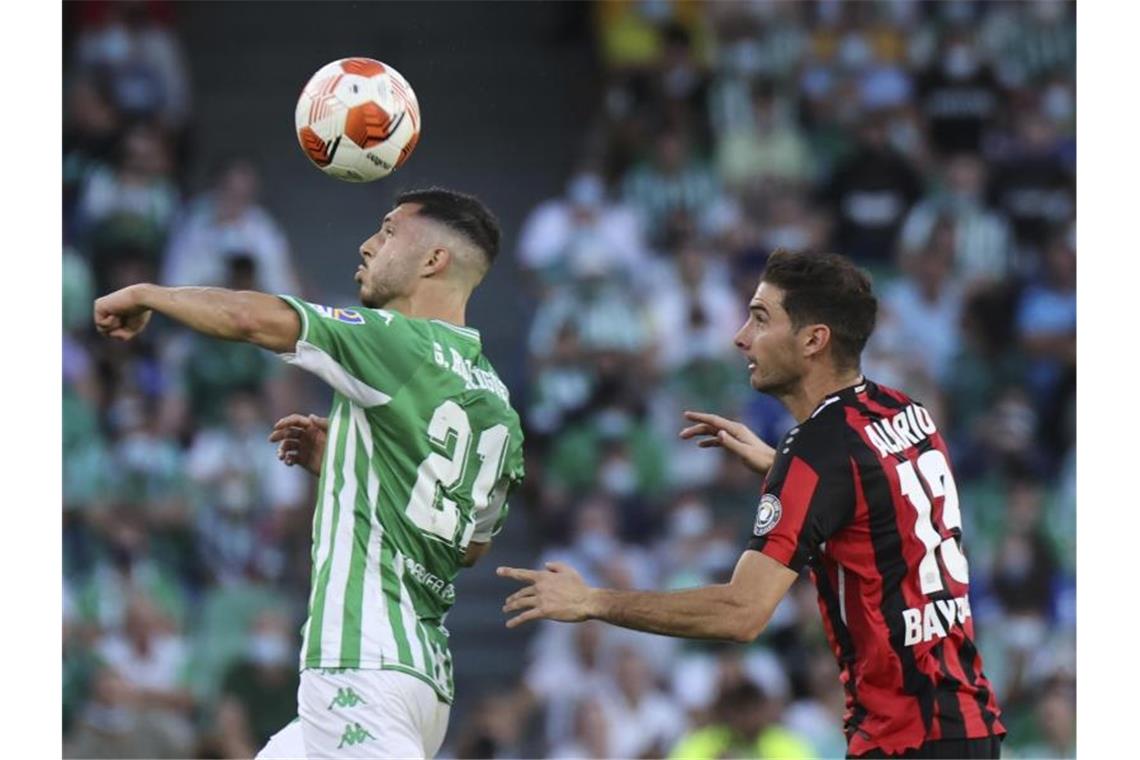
(365, 354)
(807, 497)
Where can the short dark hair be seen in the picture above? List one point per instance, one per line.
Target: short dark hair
(825, 288)
(463, 213)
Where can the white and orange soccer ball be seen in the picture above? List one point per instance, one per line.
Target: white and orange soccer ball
(358, 120)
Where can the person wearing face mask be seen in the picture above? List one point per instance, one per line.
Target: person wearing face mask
(262, 684)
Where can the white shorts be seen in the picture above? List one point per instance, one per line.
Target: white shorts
(361, 714)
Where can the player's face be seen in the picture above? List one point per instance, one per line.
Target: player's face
(391, 257)
(769, 342)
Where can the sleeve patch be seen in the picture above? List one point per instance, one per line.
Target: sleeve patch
(768, 514)
(348, 316)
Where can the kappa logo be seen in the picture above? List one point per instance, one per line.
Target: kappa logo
(354, 733)
(346, 697)
(767, 514)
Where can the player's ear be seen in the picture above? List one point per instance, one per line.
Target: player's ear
(815, 339)
(437, 261)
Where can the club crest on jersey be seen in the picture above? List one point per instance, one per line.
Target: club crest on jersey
(767, 514)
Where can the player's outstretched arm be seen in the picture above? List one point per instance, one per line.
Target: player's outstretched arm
(301, 439)
(735, 436)
(241, 315)
(734, 611)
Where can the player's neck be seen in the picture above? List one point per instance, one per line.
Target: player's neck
(449, 306)
(810, 392)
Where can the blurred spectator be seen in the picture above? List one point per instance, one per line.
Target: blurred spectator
(744, 725)
(205, 373)
(870, 195)
(591, 733)
(644, 721)
(259, 691)
(981, 239)
(149, 467)
(91, 130)
(126, 563)
(672, 187)
(818, 715)
(245, 495)
(770, 148)
(694, 308)
(790, 223)
(129, 204)
(1026, 567)
(595, 308)
(1047, 323)
(151, 659)
(582, 224)
(927, 305)
(139, 58)
(1054, 728)
(567, 665)
(229, 222)
(960, 95)
(113, 725)
(615, 450)
(1032, 40)
(1032, 187)
(634, 36)
(665, 80)
(988, 365)
(597, 552)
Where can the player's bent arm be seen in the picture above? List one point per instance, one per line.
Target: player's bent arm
(475, 552)
(241, 315)
(737, 611)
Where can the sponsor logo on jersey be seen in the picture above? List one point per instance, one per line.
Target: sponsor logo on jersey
(767, 514)
(432, 582)
(935, 619)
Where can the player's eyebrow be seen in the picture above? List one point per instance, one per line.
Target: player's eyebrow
(757, 306)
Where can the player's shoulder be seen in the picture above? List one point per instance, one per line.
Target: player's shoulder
(827, 436)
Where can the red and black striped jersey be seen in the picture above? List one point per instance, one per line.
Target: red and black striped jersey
(862, 493)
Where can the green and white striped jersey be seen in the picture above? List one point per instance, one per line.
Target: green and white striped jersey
(423, 449)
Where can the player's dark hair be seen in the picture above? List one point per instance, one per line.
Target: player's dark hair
(463, 213)
(824, 288)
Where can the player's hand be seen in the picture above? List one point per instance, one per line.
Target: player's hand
(556, 593)
(734, 436)
(301, 440)
(120, 314)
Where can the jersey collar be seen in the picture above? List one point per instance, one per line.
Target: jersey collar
(846, 394)
(467, 332)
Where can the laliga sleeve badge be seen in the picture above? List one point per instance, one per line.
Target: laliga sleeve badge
(348, 316)
(767, 514)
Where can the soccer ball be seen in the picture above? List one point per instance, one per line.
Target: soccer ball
(357, 119)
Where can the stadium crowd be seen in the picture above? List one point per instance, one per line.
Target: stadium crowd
(932, 142)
